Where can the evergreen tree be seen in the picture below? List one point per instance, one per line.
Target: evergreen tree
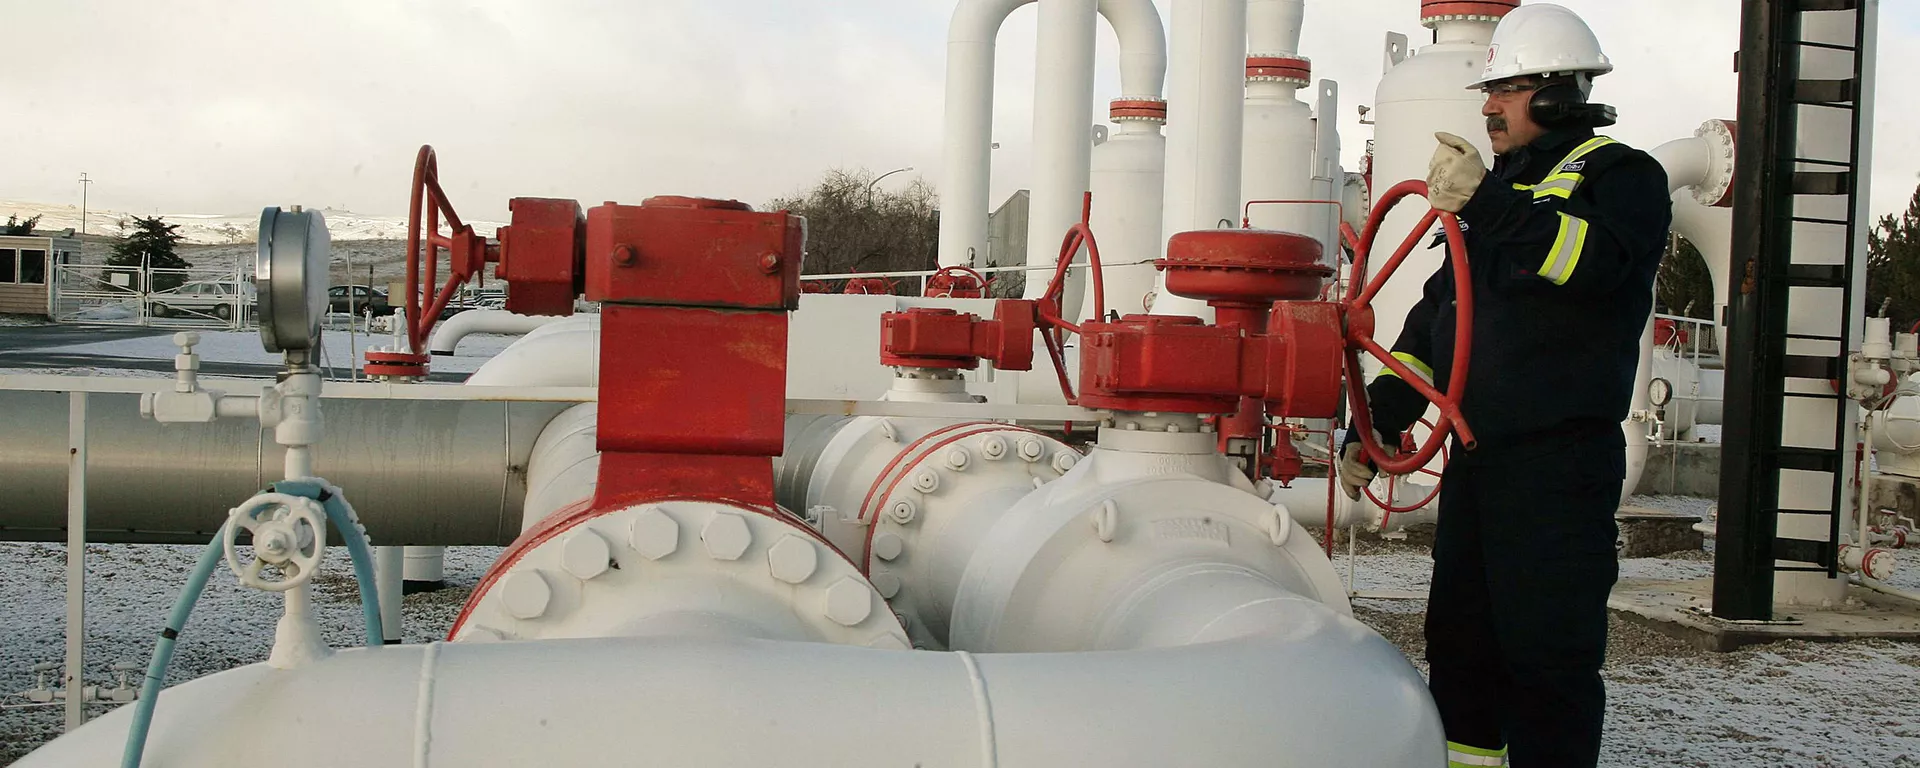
(1893, 266)
(151, 245)
(1684, 287)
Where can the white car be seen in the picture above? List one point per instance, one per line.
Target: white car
(208, 299)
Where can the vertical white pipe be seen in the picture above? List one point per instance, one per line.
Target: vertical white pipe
(969, 128)
(1143, 46)
(1206, 87)
(388, 563)
(76, 708)
(1062, 130)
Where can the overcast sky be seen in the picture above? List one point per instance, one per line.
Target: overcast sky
(225, 106)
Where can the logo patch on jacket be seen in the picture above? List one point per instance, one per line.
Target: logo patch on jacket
(1574, 167)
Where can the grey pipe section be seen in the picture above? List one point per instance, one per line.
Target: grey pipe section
(420, 472)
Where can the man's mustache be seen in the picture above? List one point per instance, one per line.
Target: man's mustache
(1496, 123)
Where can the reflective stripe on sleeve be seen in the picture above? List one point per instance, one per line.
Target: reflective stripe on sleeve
(1563, 182)
(1424, 371)
(1566, 250)
(1459, 755)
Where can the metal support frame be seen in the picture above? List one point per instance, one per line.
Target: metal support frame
(1771, 178)
(75, 677)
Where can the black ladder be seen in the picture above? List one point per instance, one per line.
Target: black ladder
(1798, 222)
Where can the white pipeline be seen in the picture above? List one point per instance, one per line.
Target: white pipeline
(1259, 700)
(448, 333)
(1205, 108)
(969, 108)
(1062, 121)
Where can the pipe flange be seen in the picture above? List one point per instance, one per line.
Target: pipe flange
(1716, 190)
(1436, 12)
(1291, 70)
(910, 556)
(639, 569)
(1138, 110)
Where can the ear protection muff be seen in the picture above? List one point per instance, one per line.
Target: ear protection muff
(1563, 105)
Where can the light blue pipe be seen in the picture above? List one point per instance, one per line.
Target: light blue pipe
(163, 652)
(342, 517)
(338, 513)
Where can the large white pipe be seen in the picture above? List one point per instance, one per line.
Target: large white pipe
(1284, 696)
(1205, 108)
(448, 333)
(1277, 162)
(1129, 184)
(969, 107)
(1062, 125)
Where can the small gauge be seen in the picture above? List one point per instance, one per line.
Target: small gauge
(1660, 392)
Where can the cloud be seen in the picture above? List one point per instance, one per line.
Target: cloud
(213, 106)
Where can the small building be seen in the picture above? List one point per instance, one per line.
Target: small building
(26, 271)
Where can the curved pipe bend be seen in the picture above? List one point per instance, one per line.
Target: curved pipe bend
(448, 333)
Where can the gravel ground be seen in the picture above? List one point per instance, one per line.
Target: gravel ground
(129, 590)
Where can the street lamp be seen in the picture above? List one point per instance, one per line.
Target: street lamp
(878, 179)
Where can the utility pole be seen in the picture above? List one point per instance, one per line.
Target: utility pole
(84, 181)
(878, 179)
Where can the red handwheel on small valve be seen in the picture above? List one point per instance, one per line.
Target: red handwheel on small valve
(1360, 324)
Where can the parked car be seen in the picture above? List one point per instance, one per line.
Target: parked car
(216, 299)
(358, 299)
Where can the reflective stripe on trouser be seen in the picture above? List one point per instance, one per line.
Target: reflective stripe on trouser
(1565, 255)
(1420, 368)
(1516, 624)
(1462, 755)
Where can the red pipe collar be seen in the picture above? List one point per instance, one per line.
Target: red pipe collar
(1436, 10)
(1139, 109)
(1289, 69)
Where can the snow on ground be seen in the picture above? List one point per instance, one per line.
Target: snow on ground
(119, 373)
(244, 347)
(129, 591)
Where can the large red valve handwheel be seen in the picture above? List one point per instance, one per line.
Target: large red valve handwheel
(1359, 333)
(424, 214)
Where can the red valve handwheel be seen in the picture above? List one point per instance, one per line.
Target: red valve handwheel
(1359, 333)
(424, 310)
(954, 274)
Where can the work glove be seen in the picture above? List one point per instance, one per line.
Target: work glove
(1356, 471)
(1454, 173)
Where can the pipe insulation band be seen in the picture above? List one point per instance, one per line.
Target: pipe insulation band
(1435, 11)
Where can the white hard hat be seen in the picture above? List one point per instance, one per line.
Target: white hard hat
(1539, 39)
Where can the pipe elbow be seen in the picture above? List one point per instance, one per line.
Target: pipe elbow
(978, 21)
(1143, 46)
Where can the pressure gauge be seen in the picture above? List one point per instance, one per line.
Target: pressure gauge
(1660, 392)
(290, 278)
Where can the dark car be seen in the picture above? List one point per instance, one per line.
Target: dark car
(358, 299)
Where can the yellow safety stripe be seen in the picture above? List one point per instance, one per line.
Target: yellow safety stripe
(1464, 756)
(1563, 182)
(1421, 368)
(1565, 255)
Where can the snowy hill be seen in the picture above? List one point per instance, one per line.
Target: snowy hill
(216, 229)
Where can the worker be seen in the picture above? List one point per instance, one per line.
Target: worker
(1563, 239)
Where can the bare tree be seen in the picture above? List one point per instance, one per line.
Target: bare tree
(854, 225)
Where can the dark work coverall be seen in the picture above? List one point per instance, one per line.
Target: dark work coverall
(1563, 239)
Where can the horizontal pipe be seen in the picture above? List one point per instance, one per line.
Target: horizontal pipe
(426, 472)
(1285, 696)
(448, 333)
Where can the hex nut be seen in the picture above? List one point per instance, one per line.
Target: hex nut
(927, 481)
(525, 594)
(793, 559)
(726, 535)
(959, 458)
(903, 511)
(886, 584)
(888, 545)
(1031, 449)
(585, 554)
(994, 447)
(1064, 461)
(849, 601)
(654, 535)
